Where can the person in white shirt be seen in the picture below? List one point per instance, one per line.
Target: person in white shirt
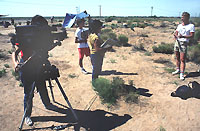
(83, 47)
(184, 32)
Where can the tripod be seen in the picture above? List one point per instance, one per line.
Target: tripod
(51, 73)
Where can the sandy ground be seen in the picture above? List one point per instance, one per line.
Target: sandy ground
(155, 111)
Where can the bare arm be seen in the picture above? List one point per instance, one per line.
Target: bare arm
(14, 57)
(191, 35)
(97, 47)
(80, 41)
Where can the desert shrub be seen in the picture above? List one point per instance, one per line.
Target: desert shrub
(121, 20)
(132, 97)
(196, 21)
(108, 34)
(197, 35)
(142, 25)
(144, 35)
(113, 61)
(164, 48)
(194, 53)
(169, 70)
(2, 55)
(163, 25)
(6, 65)
(147, 53)
(106, 31)
(72, 75)
(105, 90)
(16, 75)
(123, 39)
(110, 91)
(2, 72)
(114, 26)
(109, 19)
(139, 47)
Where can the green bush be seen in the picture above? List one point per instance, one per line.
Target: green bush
(2, 72)
(121, 20)
(164, 48)
(16, 75)
(6, 65)
(106, 31)
(197, 35)
(109, 19)
(132, 97)
(108, 34)
(194, 53)
(110, 91)
(105, 90)
(114, 26)
(139, 47)
(123, 39)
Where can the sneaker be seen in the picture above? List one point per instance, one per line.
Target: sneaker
(176, 72)
(28, 121)
(84, 71)
(181, 76)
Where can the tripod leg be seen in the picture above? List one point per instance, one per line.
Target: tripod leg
(51, 89)
(27, 107)
(64, 95)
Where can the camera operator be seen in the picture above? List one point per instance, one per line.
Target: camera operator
(26, 53)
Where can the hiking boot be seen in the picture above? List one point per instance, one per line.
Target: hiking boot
(176, 72)
(182, 76)
(28, 121)
(84, 71)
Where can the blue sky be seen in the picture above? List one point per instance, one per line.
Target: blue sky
(29, 8)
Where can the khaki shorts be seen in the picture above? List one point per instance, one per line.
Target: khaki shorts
(181, 46)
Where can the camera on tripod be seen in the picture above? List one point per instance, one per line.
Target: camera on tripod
(38, 37)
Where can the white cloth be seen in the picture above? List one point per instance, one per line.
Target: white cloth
(78, 35)
(185, 30)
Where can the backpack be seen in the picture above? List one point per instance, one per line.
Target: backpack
(187, 91)
(195, 86)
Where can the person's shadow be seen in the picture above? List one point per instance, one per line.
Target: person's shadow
(140, 91)
(114, 72)
(98, 120)
(193, 74)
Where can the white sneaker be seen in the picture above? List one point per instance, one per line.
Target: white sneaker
(28, 121)
(182, 76)
(84, 71)
(176, 72)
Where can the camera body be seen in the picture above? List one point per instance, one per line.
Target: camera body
(38, 37)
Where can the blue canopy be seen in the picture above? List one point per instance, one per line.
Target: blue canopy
(71, 18)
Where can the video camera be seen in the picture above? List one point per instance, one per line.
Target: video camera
(38, 37)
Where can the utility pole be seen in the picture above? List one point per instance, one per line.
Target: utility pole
(99, 10)
(77, 9)
(151, 10)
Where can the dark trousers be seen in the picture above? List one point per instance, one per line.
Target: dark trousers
(97, 62)
(28, 85)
